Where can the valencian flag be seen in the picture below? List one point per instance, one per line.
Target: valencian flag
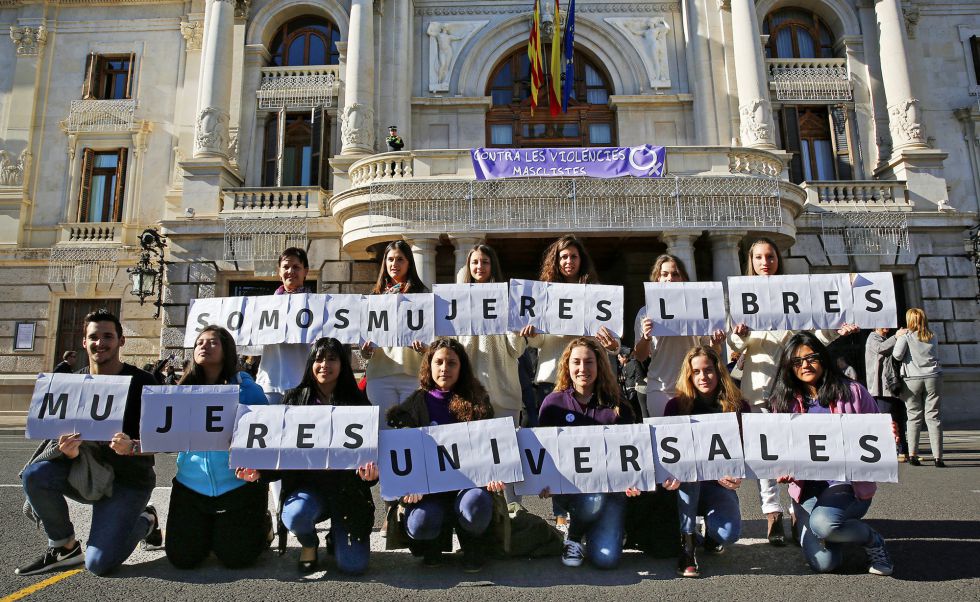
(534, 54)
(554, 90)
(568, 80)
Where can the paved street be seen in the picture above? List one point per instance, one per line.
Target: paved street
(931, 520)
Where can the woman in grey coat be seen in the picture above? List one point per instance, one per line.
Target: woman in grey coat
(884, 382)
(918, 352)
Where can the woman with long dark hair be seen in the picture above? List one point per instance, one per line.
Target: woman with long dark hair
(759, 349)
(313, 496)
(448, 393)
(828, 513)
(391, 371)
(587, 393)
(210, 509)
(704, 387)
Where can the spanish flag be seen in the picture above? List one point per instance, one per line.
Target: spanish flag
(534, 54)
(554, 91)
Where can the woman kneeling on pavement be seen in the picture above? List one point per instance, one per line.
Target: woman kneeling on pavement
(448, 393)
(704, 387)
(586, 393)
(827, 513)
(313, 496)
(211, 509)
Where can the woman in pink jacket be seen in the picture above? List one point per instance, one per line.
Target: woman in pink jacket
(828, 513)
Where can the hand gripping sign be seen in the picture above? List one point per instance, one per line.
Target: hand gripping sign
(91, 405)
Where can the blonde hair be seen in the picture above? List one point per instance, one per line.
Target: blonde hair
(729, 395)
(606, 385)
(916, 321)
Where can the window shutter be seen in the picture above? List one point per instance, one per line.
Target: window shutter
(842, 147)
(120, 186)
(791, 142)
(88, 87)
(85, 188)
(129, 75)
(975, 49)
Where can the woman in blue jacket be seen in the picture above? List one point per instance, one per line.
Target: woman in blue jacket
(211, 509)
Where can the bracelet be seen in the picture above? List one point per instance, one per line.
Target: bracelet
(136, 444)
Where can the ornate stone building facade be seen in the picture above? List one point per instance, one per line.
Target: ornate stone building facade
(847, 130)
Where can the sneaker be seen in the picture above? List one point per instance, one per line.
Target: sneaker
(902, 458)
(54, 558)
(573, 554)
(432, 557)
(940, 464)
(881, 563)
(154, 537)
(914, 461)
(712, 546)
(473, 557)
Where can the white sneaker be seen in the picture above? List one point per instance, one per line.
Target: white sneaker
(573, 554)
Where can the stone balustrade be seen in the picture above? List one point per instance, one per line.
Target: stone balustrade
(91, 232)
(284, 201)
(858, 194)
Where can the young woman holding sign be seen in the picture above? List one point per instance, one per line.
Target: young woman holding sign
(586, 393)
(917, 351)
(494, 356)
(448, 393)
(313, 496)
(704, 387)
(392, 371)
(665, 352)
(808, 382)
(210, 509)
(759, 350)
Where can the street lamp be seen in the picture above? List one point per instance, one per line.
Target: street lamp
(973, 252)
(147, 276)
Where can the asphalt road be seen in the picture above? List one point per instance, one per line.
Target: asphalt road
(931, 520)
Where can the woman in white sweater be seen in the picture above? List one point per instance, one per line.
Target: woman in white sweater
(922, 374)
(760, 350)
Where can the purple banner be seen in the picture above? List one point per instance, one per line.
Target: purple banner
(645, 161)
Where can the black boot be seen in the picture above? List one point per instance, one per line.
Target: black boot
(687, 560)
(474, 552)
(432, 554)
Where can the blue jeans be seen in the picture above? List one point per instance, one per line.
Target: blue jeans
(598, 518)
(718, 506)
(472, 510)
(116, 522)
(830, 518)
(301, 512)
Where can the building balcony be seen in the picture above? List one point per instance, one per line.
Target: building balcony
(819, 80)
(101, 116)
(286, 201)
(298, 87)
(91, 233)
(430, 192)
(858, 195)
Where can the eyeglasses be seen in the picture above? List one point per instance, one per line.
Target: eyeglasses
(811, 359)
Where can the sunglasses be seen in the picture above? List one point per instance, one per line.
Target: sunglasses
(811, 359)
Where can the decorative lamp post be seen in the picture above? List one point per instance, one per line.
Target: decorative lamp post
(973, 251)
(147, 276)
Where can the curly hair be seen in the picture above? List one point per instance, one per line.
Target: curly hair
(551, 270)
(728, 392)
(606, 386)
(469, 400)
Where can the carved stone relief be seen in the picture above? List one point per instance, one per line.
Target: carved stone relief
(193, 32)
(357, 126)
(242, 8)
(12, 170)
(756, 117)
(910, 14)
(649, 36)
(211, 133)
(446, 40)
(28, 40)
(905, 123)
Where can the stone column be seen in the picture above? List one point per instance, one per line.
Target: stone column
(681, 246)
(424, 250)
(904, 114)
(724, 255)
(214, 98)
(250, 135)
(463, 245)
(357, 127)
(754, 109)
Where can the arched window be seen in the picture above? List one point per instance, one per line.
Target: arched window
(588, 122)
(306, 40)
(795, 33)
